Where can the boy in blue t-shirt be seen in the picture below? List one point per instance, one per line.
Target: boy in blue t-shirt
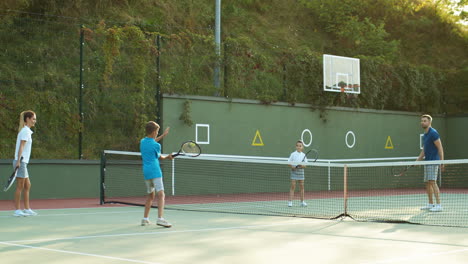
(151, 154)
(432, 150)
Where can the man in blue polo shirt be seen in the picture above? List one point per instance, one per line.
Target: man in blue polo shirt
(432, 150)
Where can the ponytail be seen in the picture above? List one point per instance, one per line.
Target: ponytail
(23, 116)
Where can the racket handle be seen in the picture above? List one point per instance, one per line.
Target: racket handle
(175, 155)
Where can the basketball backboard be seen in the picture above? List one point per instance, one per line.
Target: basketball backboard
(341, 74)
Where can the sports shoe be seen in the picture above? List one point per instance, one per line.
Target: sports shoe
(427, 207)
(145, 222)
(163, 222)
(29, 212)
(290, 204)
(436, 208)
(303, 204)
(19, 213)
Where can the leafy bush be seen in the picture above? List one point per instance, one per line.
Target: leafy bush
(413, 58)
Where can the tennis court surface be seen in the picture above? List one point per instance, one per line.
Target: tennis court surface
(113, 235)
(235, 210)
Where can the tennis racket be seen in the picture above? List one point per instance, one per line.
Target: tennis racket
(189, 149)
(398, 171)
(11, 179)
(313, 154)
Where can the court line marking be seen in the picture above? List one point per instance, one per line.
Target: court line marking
(152, 233)
(417, 256)
(295, 222)
(102, 207)
(79, 253)
(69, 214)
(217, 229)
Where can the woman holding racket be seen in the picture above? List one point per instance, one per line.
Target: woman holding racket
(297, 172)
(23, 149)
(151, 154)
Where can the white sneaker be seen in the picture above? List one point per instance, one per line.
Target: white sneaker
(303, 204)
(436, 208)
(163, 222)
(19, 213)
(289, 203)
(145, 222)
(427, 207)
(29, 212)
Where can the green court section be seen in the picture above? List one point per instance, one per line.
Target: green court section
(114, 236)
(406, 208)
(58, 179)
(246, 127)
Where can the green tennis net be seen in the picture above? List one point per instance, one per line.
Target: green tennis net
(364, 191)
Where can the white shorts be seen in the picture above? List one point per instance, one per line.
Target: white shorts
(431, 172)
(22, 170)
(154, 184)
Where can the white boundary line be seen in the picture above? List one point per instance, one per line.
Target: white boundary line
(64, 214)
(17, 243)
(78, 253)
(100, 207)
(243, 157)
(156, 232)
(42, 215)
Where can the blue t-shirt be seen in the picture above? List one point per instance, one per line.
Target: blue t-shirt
(430, 149)
(150, 153)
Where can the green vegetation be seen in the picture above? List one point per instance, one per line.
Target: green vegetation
(413, 58)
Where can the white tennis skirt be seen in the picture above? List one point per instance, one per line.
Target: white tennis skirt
(297, 174)
(22, 170)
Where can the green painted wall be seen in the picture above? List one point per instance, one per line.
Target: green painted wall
(456, 143)
(52, 179)
(233, 126)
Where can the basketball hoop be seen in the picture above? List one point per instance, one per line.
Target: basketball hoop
(341, 74)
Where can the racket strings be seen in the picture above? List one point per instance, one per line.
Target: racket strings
(190, 148)
(314, 155)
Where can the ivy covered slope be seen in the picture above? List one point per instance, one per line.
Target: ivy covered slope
(413, 58)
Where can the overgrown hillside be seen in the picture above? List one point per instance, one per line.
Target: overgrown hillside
(413, 58)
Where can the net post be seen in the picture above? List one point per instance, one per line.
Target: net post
(345, 190)
(329, 176)
(103, 172)
(440, 174)
(173, 177)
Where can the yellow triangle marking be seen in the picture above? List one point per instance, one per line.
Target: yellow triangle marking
(257, 141)
(389, 144)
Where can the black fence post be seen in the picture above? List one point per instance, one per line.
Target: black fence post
(80, 101)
